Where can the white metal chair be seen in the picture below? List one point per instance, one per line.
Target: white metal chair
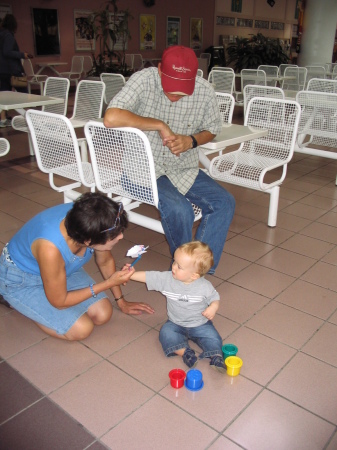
(250, 76)
(76, 70)
(200, 73)
(32, 78)
(319, 85)
(54, 87)
(57, 152)
(315, 72)
(129, 61)
(282, 68)
(138, 63)
(123, 166)
(271, 73)
(222, 80)
(87, 65)
(114, 82)
(318, 124)
(261, 164)
(294, 78)
(4, 146)
(251, 90)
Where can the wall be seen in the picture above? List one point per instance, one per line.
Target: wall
(162, 9)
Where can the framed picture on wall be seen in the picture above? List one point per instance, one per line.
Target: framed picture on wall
(5, 9)
(173, 31)
(196, 34)
(46, 31)
(84, 33)
(147, 32)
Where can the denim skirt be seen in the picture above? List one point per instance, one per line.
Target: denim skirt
(25, 293)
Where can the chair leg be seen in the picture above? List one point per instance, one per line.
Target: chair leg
(273, 206)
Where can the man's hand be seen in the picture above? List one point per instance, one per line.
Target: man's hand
(178, 143)
(134, 308)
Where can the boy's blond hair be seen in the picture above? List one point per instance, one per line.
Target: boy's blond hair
(202, 255)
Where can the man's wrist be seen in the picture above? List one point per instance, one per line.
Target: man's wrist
(194, 141)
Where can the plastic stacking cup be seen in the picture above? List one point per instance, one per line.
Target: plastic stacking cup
(194, 380)
(229, 350)
(233, 364)
(177, 377)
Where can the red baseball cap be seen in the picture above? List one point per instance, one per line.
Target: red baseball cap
(179, 67)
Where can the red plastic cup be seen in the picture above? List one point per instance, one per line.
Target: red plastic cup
(177, 377)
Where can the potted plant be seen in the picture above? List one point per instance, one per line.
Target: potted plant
(258, 50)
(110, 26)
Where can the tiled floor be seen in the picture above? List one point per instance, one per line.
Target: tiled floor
(278, 292)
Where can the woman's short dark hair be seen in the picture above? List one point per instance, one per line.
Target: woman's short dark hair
(9, 22)
(90, 215)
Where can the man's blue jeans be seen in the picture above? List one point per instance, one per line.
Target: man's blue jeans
(177, 214)
(174, 337)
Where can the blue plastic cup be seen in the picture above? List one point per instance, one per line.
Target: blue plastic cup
(193, 381)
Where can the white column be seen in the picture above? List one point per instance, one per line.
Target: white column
(319, 28)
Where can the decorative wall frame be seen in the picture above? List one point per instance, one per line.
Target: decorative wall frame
(196, 32)
(244, 23)
(236, 6)
(46, 31)
(228, 21)
(84, 33)
(5, 9)
(147, 32)
(277, 26)
(173, 31)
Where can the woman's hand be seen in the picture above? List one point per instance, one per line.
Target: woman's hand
(120, 277)
(134, 308)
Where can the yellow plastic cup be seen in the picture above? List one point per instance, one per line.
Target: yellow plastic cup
(233, 364)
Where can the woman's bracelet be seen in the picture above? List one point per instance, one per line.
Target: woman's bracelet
(116, 299)
(92, 290)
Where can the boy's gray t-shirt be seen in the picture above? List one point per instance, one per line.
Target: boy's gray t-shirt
(185, 302)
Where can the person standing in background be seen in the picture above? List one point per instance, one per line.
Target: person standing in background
(10, 59)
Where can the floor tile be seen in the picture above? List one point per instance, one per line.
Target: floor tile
(246, 248)
(230, 265)
(331, 257)
(160, 419)
(221, 393)
(280, 322)
(321, 231)
(44, 425)
(52, 363)
(223, 443)
(303, 245)
(100, 398)
(262, 356)
(271, 422)
(309, 298)
(298, 382)
(323, 345)
(262, 280)
(286, 262)
(273, 236)
(322, 274)
(237, 303)
(12, 383)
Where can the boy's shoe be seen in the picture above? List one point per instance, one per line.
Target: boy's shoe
(218, 364)
(190, 358)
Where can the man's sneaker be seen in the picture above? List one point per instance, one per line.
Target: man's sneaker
(218, 364)
(190, 358)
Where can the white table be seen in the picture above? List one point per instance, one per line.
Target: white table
(50, 65)
(19, 101)
(230, 134)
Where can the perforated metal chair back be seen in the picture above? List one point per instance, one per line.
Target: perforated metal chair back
(138, 63)
(318, 123)
(253, 76)
(295, 78)
(54, 87)
(114, 82)
(89, 100)
(315, 72)
(122, 162)
(4, 146)
(222, 80)
(87, 64)
(272, 72)
(206, 56)
(251, 91)
(226, 103)
(129, 61)
(282, 68)
(320, 85)
(32, 79)
(200, 73)
(57, 150)
(76, 70)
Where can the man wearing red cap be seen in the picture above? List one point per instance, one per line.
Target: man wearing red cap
(178, 111)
